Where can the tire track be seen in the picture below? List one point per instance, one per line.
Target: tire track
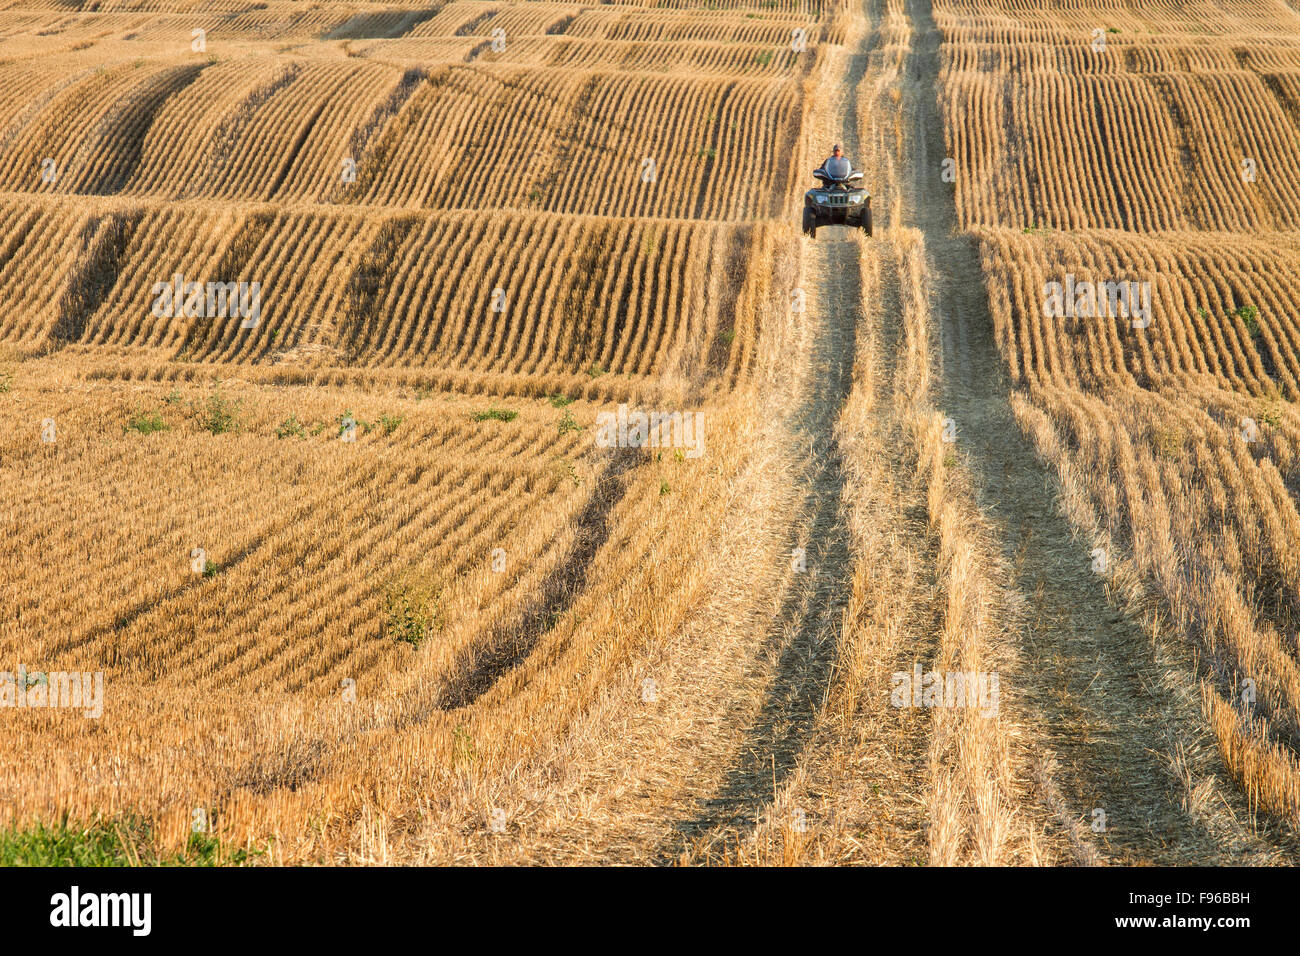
(1111, 718)
(801, 643)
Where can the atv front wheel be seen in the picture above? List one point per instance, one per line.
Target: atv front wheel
(809, 223)
(866, 220)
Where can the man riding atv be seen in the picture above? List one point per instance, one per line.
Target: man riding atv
(836, 202)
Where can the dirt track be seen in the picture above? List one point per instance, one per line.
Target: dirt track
(1112, 718)
(762, 724)
(1104, 718)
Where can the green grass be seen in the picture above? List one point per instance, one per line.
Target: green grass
(566, 469)
(125, 842)
(390, 423)
(496, 414)
(146, 423)
(463, 749)
(568, 423)
(101, 845)
(1249, 315)
(559, 401)
(6, 381)
(361, 424)
(220, 415)
(413, 609)
(291, 428)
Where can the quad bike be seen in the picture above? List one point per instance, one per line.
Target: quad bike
(836, 202)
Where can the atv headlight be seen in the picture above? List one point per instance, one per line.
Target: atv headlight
(821, 199)
(855, 200)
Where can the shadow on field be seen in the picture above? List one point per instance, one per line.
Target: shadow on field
(803, 637)
(507, 646)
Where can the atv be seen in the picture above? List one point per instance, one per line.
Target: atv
(836, 202)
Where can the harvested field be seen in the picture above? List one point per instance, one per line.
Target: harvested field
(330, 325)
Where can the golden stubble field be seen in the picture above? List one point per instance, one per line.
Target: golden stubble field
(364, 580)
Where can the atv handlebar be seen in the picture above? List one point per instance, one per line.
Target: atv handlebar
(828, 180)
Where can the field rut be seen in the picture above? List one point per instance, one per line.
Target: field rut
(1112, 720)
